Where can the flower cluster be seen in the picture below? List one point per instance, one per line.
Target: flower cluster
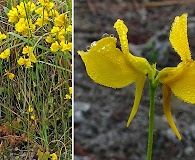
(58, 34)
(28, 57)
(69, 95)
(45, 12)
(111, 67)
(19, 15)
(30, 110)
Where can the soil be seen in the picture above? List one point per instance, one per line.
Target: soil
(101, 113)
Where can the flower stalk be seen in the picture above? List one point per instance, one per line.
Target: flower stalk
(153, 87)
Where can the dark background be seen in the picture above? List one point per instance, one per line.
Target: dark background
(101, 113)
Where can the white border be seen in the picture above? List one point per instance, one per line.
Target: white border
(72, 79)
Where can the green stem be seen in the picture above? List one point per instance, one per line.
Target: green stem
(153, 87)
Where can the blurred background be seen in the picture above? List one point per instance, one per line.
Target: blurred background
(101, 113)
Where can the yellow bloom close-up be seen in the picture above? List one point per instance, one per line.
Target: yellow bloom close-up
(60, 20)
(26, 62)
(178, 80)
(55, 46)
(13, 15)
(9, 74)
(111, 67)
(54, 156)
(2, 36)
(5, 54)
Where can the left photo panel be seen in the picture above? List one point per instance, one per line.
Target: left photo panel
(36, 79)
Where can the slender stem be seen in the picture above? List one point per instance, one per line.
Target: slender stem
(153, 87)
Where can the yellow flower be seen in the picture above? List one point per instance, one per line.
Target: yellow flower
(25, 8)
(55, 46)
(55, 30)
(66, 47)
(27, 50)
(24, 26)
(32, 58)
(39, 10)
(2, 36)
(70, 90)
(30, 109)
(54, 156)
(13, 15)
(9, 74)
(181, 79)
(49, 39)
(5, 54)
(53, 13)
(69, 28)
(111, 67)
(42, 21)
(60, 20)
(67, 96)
(24, 61)
(32, 117)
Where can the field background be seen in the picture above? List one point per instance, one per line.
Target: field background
(101, 113)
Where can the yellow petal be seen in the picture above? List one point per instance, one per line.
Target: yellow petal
(21, 61)
(178, 37)
(166, 105)
(107, 65)
(140, 64)
(184, 85)
(122, 30)
(139, 84)
(171, 74)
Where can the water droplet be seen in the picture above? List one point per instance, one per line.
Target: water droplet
(93, 43)
(88, 48)
(105, 35)
(112, 35)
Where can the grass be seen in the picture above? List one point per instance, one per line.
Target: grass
(35, 106)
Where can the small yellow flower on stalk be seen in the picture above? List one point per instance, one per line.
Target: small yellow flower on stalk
(24, 26)
(55, 46)
(70, 90)
(9, 74)
(42, 21)
(111, 67)
(5, 54)
(66, 46)
(32, 117)
(54, 156)
(21, 61)
(24, 61)
(39, 11)
(68, 96)
(13, 15)
(50, 39)
(47, 5)
(55, 30)
(60, 21)
(178, 80)
(27, 50)
(25, 8)
(32, 58)
(53, 13)
(2, 36)
(69, 28)
(30, 109)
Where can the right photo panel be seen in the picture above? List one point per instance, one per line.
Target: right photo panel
(134, 80)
